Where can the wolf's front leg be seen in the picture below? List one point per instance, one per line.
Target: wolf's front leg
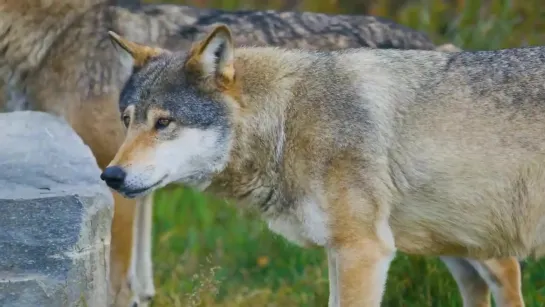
(141, 270)
(361, 268)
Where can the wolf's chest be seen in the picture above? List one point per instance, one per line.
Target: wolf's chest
(305, 225)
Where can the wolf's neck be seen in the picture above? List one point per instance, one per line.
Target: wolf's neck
(253, 173)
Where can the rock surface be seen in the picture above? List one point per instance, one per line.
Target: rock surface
(55, 215)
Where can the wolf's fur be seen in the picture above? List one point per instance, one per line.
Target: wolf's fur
(362, 151)
(55, 56)
(161, 23)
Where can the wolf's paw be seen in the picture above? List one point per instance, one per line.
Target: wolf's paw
(142, 289)
(141, 301)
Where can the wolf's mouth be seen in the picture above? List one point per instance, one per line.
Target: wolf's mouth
(136, 192)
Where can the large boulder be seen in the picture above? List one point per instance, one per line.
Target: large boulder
(55, 215)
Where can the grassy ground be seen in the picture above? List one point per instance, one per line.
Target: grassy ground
(206, 253)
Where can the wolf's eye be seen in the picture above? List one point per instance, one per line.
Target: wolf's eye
(162, 123)
(126, 120)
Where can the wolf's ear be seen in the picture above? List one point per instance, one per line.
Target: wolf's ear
(214, 55)
(141, 54)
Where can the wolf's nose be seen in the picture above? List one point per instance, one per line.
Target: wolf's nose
(113, 176)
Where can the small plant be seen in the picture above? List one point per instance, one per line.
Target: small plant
(206, 286)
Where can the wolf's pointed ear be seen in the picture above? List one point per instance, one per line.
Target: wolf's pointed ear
(214, 55)
(141, 54)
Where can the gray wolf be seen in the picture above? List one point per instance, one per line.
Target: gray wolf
(362, 151)
(56, 57)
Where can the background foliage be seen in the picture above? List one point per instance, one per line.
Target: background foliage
(207, 253)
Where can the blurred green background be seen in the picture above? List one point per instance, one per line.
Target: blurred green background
(207, 253)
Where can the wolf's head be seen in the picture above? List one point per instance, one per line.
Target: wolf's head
(178, 109)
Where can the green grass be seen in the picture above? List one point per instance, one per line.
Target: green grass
(207, 253)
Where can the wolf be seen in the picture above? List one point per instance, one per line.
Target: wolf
(56, 57)
(361, 151)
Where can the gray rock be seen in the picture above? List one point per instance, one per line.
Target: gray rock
(55, 215)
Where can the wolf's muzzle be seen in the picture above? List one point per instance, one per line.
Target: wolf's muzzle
(114, 176)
